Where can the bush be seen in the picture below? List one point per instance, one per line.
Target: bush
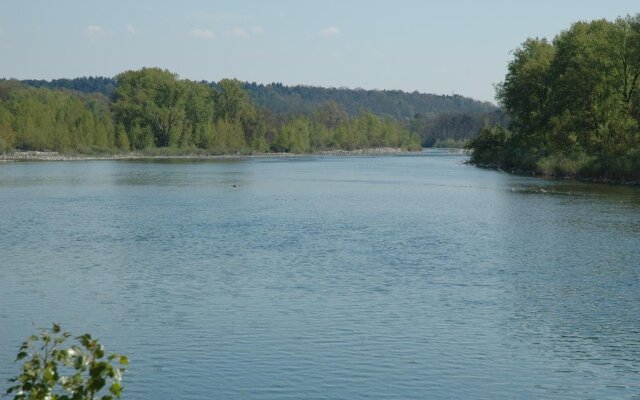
(5, 147)
(490, 147)
(562, 165)
(79, 372)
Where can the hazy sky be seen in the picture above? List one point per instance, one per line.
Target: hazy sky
(439, 47)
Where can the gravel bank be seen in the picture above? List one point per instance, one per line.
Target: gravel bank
(55, 156)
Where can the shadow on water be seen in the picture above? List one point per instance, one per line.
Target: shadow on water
(610, 193)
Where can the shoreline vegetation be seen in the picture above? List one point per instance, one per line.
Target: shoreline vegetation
(152, 110)
(558, 176)
(434, 118)
(573, 105)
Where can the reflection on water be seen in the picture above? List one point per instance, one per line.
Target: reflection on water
(328, 277)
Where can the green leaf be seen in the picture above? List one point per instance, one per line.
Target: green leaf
(91, 376)
(49, 374)
(46, 337)
(116, 389)
(96, 383)
(99, 369)
(85, 340)
(99, 351)
(80, 361)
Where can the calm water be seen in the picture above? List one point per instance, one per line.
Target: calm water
(405, 277)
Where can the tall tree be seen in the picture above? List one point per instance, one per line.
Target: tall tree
(153, 99)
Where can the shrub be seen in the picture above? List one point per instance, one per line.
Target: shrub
(79, 372)
(563, 165)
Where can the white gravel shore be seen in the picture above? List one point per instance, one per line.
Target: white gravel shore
(55, 156)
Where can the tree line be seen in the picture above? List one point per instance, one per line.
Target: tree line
(452, 129)
(400, 105)
(300, 99)
(435, 118)
(153, 108)
(573, 104)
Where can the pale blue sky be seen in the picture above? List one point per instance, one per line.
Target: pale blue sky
(438, 47)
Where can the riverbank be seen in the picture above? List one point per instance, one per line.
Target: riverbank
(56, 156)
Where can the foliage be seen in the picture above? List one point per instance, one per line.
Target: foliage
(91, 84)
(256, 106)
(79, 372)
(293, 137)
(450, 143)
(44, 119)
(563, 165)
(574, 104)
(153, 101)
(432, 117)
(152, 108)
(490, 147)
(434, 129)
(399, 105)
(285, 100)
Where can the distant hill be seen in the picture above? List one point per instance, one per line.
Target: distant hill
(391, 103)
(91, 84)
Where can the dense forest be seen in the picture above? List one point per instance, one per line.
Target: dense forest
(281, 99)
(153, 108)
(437, 119)
(91, 84)
(573, 103)
(452, 129)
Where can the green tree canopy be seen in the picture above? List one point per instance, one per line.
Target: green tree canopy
(151, 99)
(574, 101)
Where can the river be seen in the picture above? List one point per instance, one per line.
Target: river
(363, 277)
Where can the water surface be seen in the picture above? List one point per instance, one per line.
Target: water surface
(399, 277)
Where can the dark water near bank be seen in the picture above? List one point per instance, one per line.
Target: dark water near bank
(404, 277)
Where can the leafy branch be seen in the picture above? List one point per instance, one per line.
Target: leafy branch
(79, 372)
